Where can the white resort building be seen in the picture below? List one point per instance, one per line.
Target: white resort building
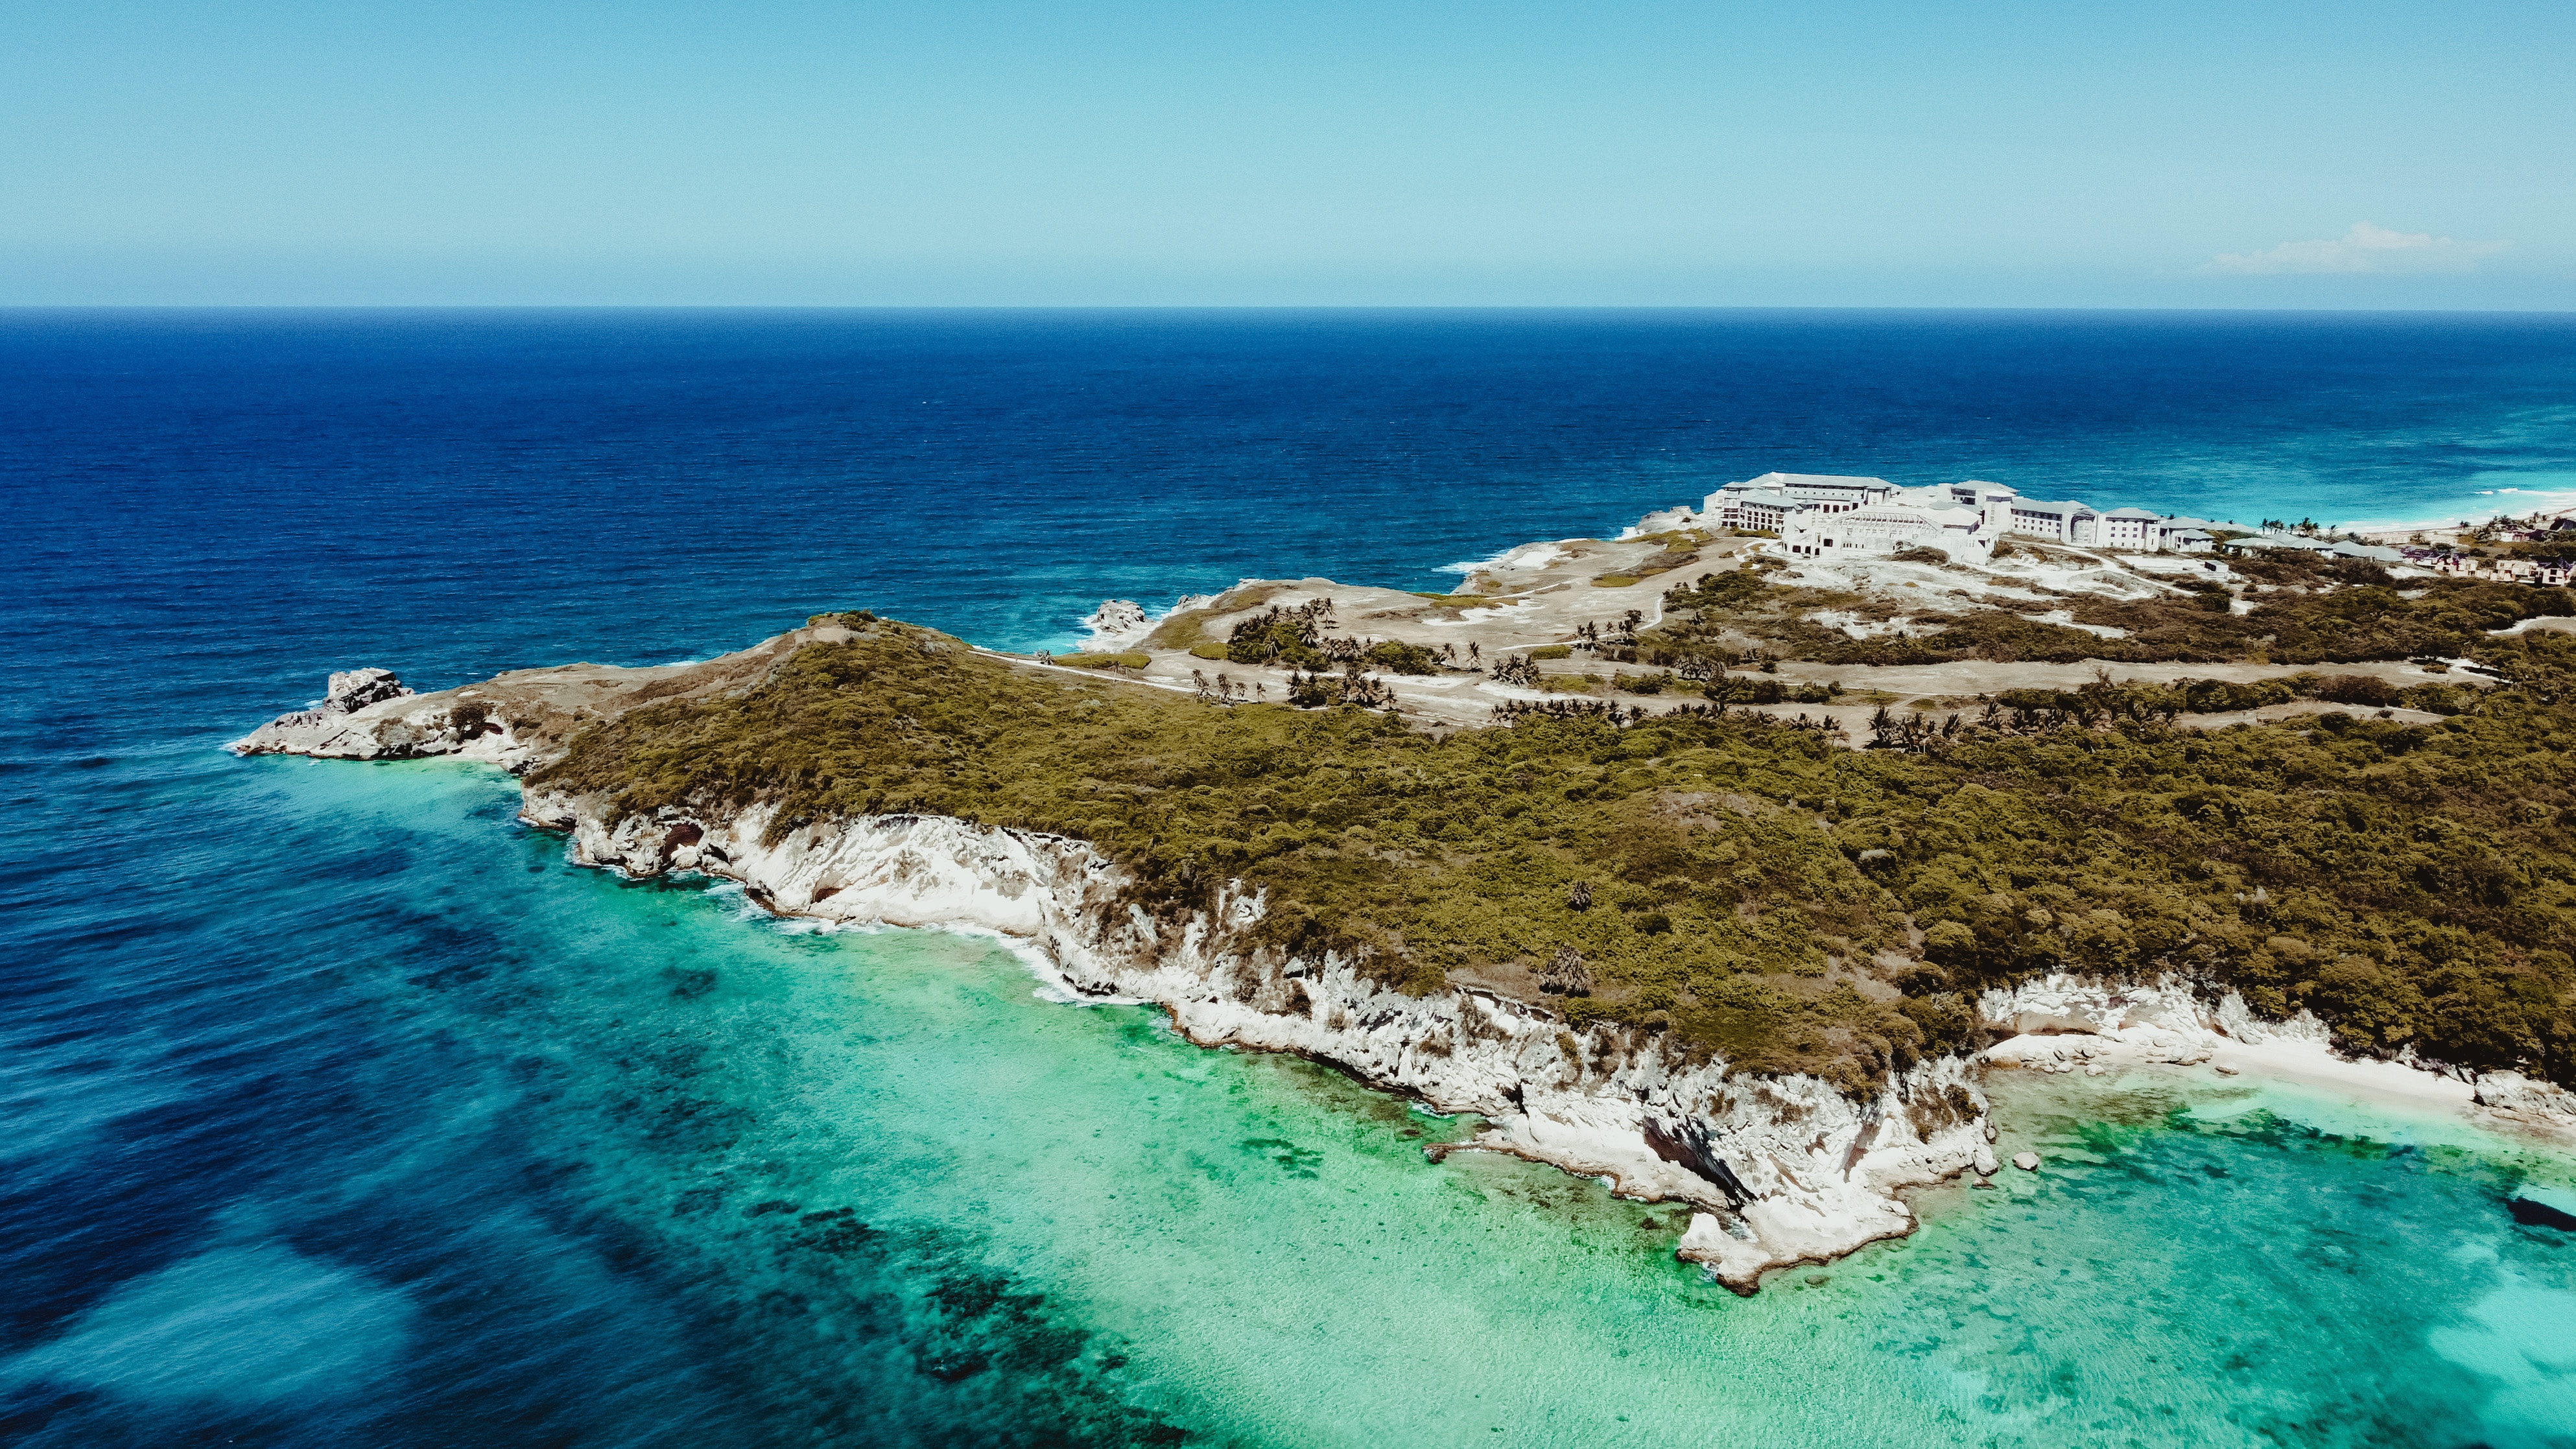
(2131, 528)
(2067, 522)
(1908, 518)
(1819, 515)
(1758, 511)
(1828, 492)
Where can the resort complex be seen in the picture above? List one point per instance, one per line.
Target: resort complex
(1819, 515)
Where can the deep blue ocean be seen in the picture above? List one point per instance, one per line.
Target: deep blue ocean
(340, 1110)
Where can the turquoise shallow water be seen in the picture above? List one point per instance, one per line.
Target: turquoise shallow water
(868, 1187)
(341, 1110)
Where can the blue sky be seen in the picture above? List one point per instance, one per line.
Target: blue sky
(2168, 155)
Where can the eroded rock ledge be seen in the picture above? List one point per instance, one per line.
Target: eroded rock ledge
(1781, 1170)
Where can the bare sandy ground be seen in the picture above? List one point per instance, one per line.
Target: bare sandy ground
(1542, 594)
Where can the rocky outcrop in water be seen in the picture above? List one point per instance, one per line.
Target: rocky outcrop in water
(2517, 1097)
(368, 714)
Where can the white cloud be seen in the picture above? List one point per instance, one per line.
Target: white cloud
(2364, 249)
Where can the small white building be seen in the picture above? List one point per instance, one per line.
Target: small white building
(2132, 528)
(1764, 510)
(2176, 534)
(1994, 500)
(2067, 522)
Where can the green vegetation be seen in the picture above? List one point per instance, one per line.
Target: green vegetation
(1746, 690)
(1678, 549)
(2217, 696)
(1397, 657)
(1297, 638)
(1746, 887)
(2320, 613)
(1132, 659)
(1187, 629)
(1552, 651)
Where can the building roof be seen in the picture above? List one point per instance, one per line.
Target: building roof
(2133, 513)
(1808, 480)
(2067, 506)
(1943, 512)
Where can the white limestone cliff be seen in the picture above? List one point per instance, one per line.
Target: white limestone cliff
(1781, 1169)
(2166, 1021)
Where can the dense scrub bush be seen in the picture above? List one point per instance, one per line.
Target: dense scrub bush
(2351, 620)
(1767, 690)
(2414, 885)
(1399, 658)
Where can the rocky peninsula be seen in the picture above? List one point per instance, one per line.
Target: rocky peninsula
(1646, 931)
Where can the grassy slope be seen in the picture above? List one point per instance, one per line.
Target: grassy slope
(2411, 884)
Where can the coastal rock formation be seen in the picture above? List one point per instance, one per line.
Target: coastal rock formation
(2060, 1022)
(2515, 1096)
(368, 714)
(1118, 623)
(1781, 1170)
(516, 719)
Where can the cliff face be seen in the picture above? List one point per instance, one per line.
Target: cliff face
(1782, 1170)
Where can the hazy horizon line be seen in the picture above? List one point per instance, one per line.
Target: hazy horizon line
(1455, 307)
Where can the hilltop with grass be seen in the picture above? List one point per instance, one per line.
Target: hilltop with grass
(1701, 869)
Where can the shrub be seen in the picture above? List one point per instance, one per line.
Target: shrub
(1553, 651)
(1132, 659)
(2361, 689)
(1278, 636)
(1400, 658)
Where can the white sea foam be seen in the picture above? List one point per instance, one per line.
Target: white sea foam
(2524, 495)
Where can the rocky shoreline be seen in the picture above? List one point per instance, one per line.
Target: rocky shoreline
(1778, 1170)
